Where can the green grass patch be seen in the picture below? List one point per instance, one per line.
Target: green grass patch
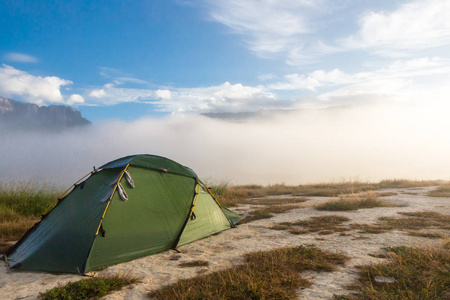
(195, 263)
(264, 275)
(409, 273)
(91, 288)
(21, 204)
(321, 224)
(351, 202)
(26, 198)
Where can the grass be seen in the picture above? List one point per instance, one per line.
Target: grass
(274, 201)
(231, 196)
(442, 191)
(264, 275)
(335, 189)
(195, 263)
(91, 288)
(413, 223)
(266, 212)
(369, 228)
(350, 202)
(417, 273)
(405, 183)
(417, 220)
(21, 204)
(431, 235)
(321, 224)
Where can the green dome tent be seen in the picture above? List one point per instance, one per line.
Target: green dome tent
(131, 207)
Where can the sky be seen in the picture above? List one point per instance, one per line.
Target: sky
(161, 63)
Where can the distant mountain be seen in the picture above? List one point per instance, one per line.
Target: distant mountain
(15, 115)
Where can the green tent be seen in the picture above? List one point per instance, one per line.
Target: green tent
(131, 207)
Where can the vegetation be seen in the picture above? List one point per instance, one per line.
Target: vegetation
(264, 275)
(321, 225)
(405, 183)
(413, 221)
(409, 273)
(21, 204)
(442, 191)
(417, 220)
(266, 212)
(91, 288)
(195, 263)
(349, 202)
(232, 195)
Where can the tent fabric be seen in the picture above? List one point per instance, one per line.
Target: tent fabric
(210, 221)
(165, 197)
(151, 162)
(92, 227)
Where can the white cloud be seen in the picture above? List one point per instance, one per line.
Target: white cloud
(109, 94)
(100, 93)
(163, 94)
(268, 26)
(119, 77)
(267, 76)
(222, 98)
(34, 89)
(399, 69)
(306, 32)
(20, 57)
(416, 25)
(226, 97)
(75, 99)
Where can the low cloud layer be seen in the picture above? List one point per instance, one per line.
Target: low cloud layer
(370, 141)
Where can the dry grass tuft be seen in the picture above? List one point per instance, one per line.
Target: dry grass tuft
(274, 201)
(369, 228)
(233, 195)
(321, 225)
(195, 263)
(442, 191)
(411, 223)
(417, 220)
(431, 235)
(267, 212)
(264, 275)
(354, 201)
(409, 273)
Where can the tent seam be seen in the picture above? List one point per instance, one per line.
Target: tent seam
(102, 218)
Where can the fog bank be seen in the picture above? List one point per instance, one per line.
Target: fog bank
(371, 141)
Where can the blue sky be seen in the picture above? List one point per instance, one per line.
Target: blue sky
(131, 59)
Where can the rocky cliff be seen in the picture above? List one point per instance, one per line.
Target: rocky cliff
(15, 115)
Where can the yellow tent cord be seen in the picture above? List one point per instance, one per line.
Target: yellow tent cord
(212, 195)
(196, 198)
(110, 198)
(65, 194)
